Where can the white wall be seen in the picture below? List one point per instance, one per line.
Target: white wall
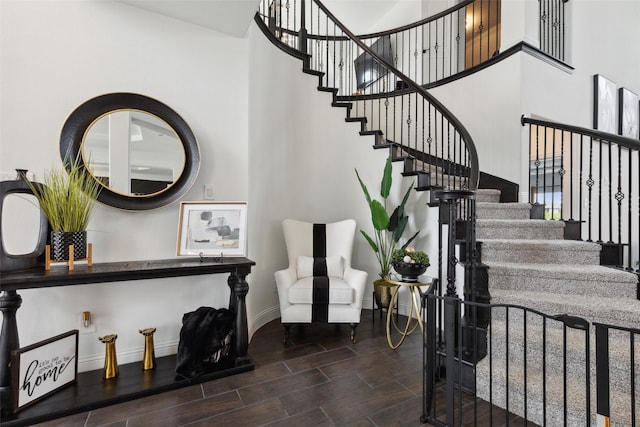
(301, 154)
(490, 102)
(58, 54)
(367, 16)
(302, 161)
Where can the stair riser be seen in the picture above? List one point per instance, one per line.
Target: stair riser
(538, 255)
(576, 415)
(562, 286)
(525, 231)
(619, 377)
(488, 196)
(554, 408)
(486, 212)
(562, 306)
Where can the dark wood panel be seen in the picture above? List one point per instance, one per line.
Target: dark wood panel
(91, 391)
(120, 271)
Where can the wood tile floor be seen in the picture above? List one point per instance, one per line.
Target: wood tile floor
(319, 378)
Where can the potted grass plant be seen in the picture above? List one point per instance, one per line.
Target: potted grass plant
(67, 198)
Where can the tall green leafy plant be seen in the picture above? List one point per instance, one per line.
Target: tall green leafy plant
(387, 228)
(67, 197)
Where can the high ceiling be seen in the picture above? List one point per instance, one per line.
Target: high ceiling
(231, 17)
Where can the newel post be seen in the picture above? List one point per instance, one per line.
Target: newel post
(302, 41)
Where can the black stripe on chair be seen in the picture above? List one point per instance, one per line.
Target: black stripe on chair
(320, 301)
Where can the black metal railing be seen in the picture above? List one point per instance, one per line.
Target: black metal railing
(591, 180)
(540, 369)
(617, 374)
(426, 51)
(369, 77)
(553, 23)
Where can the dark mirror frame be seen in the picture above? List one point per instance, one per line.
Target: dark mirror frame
(79, 121)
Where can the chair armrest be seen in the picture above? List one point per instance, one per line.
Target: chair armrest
(357, 279)
(284, 280)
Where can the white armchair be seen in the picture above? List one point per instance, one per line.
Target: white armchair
(320, 285)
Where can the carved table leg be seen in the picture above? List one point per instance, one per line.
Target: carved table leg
(10, 301)
(239, 289)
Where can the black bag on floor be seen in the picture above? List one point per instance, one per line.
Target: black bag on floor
(205, 338)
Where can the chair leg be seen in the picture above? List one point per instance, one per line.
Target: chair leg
(353, 332)
(287, 327)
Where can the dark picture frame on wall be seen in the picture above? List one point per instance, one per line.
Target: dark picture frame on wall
(628, 113)
(604, 104)
(41, 369)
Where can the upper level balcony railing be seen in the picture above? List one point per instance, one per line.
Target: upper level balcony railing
(376, 76)
(553, 23)
(426, 51)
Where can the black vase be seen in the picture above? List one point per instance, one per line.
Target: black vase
(409, 271)
(61, 240)
(22, 261)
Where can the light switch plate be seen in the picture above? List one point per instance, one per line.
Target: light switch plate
(208, 192)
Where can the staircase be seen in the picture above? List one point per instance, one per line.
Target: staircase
(536, 367)
(531, 265)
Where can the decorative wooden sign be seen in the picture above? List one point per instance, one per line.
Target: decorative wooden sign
(43, 368)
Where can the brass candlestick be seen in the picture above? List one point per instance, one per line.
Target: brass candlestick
(149, 358)
(110, 359)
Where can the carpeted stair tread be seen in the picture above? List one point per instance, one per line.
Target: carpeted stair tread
(623, 312)
(489, 210)
(531, 265)
(619, 350)
(519, 229)
(493, 389)
(562, 279)
(540, 251)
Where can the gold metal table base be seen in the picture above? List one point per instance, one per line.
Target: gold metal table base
(415, 304)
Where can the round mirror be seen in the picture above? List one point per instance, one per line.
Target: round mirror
(141, 151)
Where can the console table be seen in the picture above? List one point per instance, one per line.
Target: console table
(91, 391)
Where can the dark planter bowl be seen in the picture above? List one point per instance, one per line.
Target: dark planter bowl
(409, 271)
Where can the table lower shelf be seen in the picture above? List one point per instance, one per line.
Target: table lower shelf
(91, 391)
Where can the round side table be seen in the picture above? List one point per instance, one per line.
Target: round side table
(415, 304)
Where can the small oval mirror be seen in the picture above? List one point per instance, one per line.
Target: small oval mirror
(141, 151)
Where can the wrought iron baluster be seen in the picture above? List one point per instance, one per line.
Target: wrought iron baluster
(544, 369)
(537, 163)
(580, 192)
(435, 48)
(544, 171)
(524, 345)
(619, 198)
(386, 117)
(481, 32)
(561, 172)
(415, 54)
(632, 359)
(553, 171)
(506, 361)
(629, 213)
(590, 182)
(571, 174)
(610, 185)
(602, 370)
